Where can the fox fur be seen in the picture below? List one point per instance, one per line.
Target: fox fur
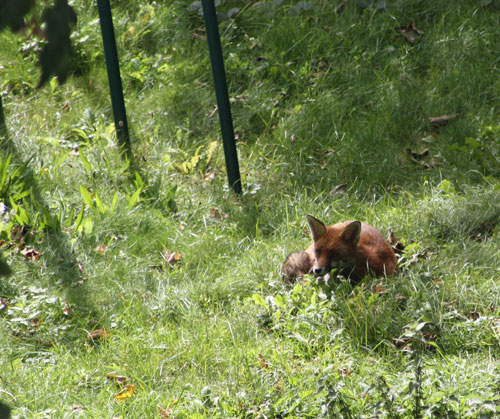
(353, 248)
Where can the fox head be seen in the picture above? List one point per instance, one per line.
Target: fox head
(335, 246)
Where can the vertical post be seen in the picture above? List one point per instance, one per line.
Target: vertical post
(113, 67)
(219, 75)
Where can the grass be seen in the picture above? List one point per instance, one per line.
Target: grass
(331, 111)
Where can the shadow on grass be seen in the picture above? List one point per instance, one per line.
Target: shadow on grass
(61, 263)
(4, 411)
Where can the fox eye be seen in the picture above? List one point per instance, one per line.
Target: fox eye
(333, 255)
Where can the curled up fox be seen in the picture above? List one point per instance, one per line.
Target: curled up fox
(353, 248)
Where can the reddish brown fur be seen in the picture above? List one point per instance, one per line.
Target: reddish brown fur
(352, 247)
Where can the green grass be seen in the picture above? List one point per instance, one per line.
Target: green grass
(320, 100)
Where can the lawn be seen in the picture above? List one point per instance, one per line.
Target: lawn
(144, 287)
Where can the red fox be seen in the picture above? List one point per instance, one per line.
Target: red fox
(353, 248)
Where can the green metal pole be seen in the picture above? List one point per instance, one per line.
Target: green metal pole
(219, 75)
(113, 67)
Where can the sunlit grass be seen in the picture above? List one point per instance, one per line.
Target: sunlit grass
(331, 111)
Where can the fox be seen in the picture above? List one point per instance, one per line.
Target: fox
(353, 248)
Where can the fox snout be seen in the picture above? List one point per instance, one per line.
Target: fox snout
(318, 270)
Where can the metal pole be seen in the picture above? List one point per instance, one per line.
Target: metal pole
(113, 67)
(219, 75)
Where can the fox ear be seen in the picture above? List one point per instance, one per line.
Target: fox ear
(317, 227)
(352, 232)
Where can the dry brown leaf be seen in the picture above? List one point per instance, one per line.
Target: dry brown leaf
(422, 158)
(80, 282)
(264, 364)
(17, 233)
(121, 379)
(379, 289)
(340, 8)
(98, 334)
(4, 303)
(419, 155)
(410, 32)
(172, 258)
(343, 371)
(30, 253)
(67, 310)
(165, 413)
(102, 249)
(209, 177)
(217, 214)
(439, 121)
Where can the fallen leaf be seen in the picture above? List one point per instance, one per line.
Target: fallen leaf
(18, 232)
(98, 334)
(172, 258)
(67, 310)
(379, 289)
(439, 121)
(339, 189)
(102, 249)
(30, 253)
(429, 164)
(4, 303)
(209, 177)
(218, 215)
(410, 32)
(400, 297)
(165, 413)
(264, 364)
(127, 392)
(80, 282)
(422, 158)
(340, 8)
(36, 323)
(343, 371)
(122, 379)
(419, 155)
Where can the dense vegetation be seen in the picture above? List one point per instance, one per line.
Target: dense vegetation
(146, 288)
